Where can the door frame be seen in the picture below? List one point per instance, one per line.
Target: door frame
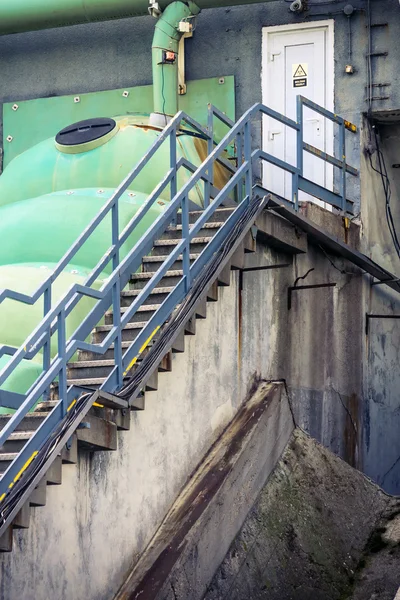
(329, 25)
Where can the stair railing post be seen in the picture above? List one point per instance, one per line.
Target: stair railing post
(342, 150)
(248, 179)
(47, 343)
(62, 376)
(210, 147)
(116, 291)
(172, 164)
(299, 158)
(185, 236)
(239, 153)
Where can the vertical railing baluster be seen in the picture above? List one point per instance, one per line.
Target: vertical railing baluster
(172, 163)
(47, 343)
(299, 153)
(342, 150)
(116, 292)
(62, 376)
(248, 180)
(210, 147)
(239, 152)
(185, 236)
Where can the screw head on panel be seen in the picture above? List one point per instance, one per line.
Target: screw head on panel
(15, 107)
(221, 80)
(77, 99)
(125, 94)
(9, 138)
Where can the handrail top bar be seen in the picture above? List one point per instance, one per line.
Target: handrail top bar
(277, 116)
(221, 116)
(321, 110)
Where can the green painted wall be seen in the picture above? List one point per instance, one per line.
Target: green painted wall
(32, 121)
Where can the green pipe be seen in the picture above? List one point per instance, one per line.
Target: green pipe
(166, 37)
(17, 16)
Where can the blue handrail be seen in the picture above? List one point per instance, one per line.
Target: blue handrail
(54, 320)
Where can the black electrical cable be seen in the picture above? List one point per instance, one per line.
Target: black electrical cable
(18, 489)
(382, 172)
(158, 349)
(162, 87)
(180, 316)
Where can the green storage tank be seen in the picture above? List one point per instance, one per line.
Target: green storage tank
(51, 192)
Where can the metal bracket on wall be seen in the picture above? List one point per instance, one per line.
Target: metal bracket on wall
(305, 287)
(181, 63)
(368, 317)
(280, 266)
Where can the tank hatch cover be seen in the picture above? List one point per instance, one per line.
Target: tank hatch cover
(85, 131)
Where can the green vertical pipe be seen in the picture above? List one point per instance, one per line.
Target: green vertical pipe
(166, 37)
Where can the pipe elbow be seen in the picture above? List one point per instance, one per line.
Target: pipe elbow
(166, 33)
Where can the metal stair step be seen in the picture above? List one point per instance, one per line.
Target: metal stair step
(87, 355)
(143, 313)
(151, 264)
(86, 369)
(129, 333)
(221, 214)
(159, 248)
(46, 405)
(156, 296)
(16, 441)
(30, 422)
(175, 242)
(207, 230)
(170, 279)
(6, 460)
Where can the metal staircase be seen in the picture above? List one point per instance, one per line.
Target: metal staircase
(142, 312)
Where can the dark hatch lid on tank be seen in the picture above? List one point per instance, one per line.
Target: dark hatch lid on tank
(86, 135)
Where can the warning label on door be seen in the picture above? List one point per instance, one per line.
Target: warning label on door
(299, 73)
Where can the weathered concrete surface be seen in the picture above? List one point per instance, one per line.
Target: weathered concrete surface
(381, 374)
(196, 534)
(306, 534)
(377, 576)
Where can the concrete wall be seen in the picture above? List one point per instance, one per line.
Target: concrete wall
(311, 534)
(97, 523)
(112, 55)
(381, 415)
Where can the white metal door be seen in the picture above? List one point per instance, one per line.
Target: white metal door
(297, 61)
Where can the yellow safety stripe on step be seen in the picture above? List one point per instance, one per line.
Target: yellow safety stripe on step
(26, 465)
(2, 497)
(71, 405)
(98, 405)
(142, 349)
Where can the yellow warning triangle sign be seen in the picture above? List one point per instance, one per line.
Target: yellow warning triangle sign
(300, 72)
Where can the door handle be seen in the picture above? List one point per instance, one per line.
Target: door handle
(317, 122)
(272, 134)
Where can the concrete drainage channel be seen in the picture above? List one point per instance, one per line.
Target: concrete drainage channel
(317, 527)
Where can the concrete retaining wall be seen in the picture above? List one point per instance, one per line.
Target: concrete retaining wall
(196, 534)
(307, 534)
